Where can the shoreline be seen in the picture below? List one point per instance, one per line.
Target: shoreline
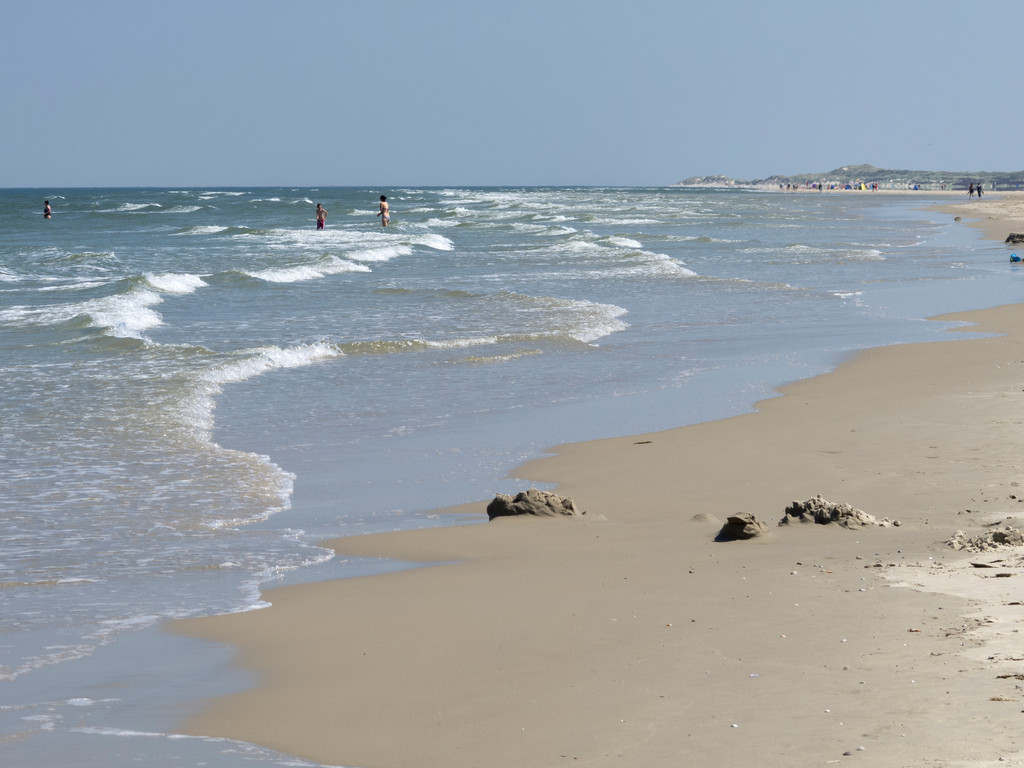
(630, 635)
(996, 218)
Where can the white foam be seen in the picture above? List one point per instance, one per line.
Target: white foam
(385, 253)
(211, 195)
(131, 207)
(124, 315)
(598, 320)
(629, 222)
(207, 229)
(252, 362)
(461, 343)
(659, 264)
(287, 275)
(170, 282)
(302, 272)
(435, 241)
(269, 358)
(624, 242)
(78, 286)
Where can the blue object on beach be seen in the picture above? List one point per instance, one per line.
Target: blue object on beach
(1014, 257)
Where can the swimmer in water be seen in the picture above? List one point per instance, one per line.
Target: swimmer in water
(385, 211)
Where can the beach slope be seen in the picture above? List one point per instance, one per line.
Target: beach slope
(631, 636)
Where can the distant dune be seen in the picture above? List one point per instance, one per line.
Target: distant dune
(885, 178)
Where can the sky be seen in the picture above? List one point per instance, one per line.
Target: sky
(495, 92)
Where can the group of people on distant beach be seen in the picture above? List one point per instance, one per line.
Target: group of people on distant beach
(384, 213)
(973, 189)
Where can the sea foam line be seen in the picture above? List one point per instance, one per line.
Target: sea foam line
(171, 282)
(302, 272)
(253, 362)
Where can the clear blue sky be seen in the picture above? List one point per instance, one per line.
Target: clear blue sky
(493, 92)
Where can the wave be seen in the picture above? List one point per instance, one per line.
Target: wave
(435, 222)
(810, 254)
(213, 195)
(170, 282)
(506, 358)
(546, 317)
(658, 264)
(452, 293)
(302, 272)
(385, 253)
(204, 229)
(435, 241)
(131, 208)
(90, 256)
(250, 363)
(74, 286)
(124, 315)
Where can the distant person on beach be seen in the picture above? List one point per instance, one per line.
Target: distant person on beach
(46, 209)
(970, 192)
(385, 211)
(321, 216)
(979, 190)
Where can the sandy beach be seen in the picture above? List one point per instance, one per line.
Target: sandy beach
(629, 636)
(996, 215)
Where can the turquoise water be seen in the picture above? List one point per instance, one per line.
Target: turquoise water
(197, 386)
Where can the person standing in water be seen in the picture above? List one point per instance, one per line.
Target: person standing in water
(46, 209)
(321, 216)
(385, 211)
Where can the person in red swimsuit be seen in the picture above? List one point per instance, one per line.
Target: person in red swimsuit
(321, 216)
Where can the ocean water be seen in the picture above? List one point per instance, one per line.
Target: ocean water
(198, 386)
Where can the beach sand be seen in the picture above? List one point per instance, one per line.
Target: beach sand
(631, 637)
(995, 214)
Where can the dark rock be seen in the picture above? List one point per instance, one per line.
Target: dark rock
(1014, 237)
(741, 526)
(531, 502)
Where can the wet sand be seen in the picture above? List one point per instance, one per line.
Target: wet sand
(630, 636)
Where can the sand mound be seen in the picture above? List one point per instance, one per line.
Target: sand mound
(988, 541)
(705, 517)
(533, 503)
(822, 512)
(742, 526)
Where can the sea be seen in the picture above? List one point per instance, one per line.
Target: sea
(198, 387)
